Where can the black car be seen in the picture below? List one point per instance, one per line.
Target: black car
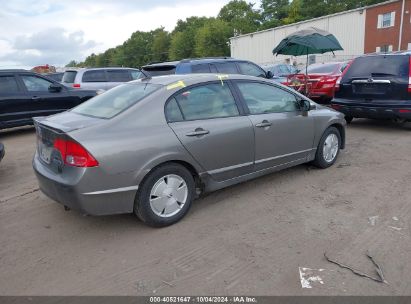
(2, 151)
(220, 65)
(376, 86)
(24, 95)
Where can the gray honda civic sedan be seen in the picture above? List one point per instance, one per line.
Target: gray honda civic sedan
(153, 145)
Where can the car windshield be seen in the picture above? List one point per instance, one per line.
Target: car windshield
(116, 100)
(374, 66)
(159, 70)
(322, 68)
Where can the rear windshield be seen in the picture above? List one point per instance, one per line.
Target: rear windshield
(374, 66)
(116, 100)
(159, 70)
(69, 76)
(322, 69)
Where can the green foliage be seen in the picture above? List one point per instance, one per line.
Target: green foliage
(71, 64)
(202, 36)
(212, 39)
(241, 16)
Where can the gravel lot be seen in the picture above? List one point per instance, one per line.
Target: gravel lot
(253, 238)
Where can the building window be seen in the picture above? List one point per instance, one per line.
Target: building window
(384, 49)
(409, 46)
(386, 20)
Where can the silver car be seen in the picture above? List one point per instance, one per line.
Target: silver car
(101, 79)
(153, 145)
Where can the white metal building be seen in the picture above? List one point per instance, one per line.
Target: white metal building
(348, 27)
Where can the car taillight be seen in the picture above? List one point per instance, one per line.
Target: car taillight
(73, 154)
(338, 82)
(409, 78)
(76, 85)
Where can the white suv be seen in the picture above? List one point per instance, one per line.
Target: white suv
(99, 78)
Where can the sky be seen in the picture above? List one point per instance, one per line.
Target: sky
(37, 32)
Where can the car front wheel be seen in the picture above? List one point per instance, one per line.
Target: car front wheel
(328, 148)
(165, 196)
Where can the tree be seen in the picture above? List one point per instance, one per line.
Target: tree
(183, 37)
(294, 13)
(212, 39)
(273, 11)
(241, 16)
(71, 64)
(161, 45)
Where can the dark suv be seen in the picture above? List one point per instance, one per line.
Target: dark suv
(376, 86)
(25, 94)
(218, 65)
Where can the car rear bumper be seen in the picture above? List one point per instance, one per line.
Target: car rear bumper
(76, 197)
(2, 151)
(389, 110)
(321, 93)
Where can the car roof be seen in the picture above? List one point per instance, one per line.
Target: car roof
(189, 79)
(405, 53)
(194, 60)
(92, 69)
(14, 70)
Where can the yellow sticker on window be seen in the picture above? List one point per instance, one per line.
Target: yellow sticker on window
(178, 84)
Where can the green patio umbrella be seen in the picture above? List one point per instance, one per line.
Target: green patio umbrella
(308, 41)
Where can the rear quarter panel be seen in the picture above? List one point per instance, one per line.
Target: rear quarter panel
(133, 143)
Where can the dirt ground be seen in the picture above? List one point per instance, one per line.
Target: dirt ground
(256, 238)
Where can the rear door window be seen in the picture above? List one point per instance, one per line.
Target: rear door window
(118, 75)
(94, 76)
(200, 68)
(207, 101)
(226, 68)
(322, 69)
(8, 84)
(69, 76)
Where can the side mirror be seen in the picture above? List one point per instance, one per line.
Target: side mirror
(305, 105)
(55, 88)
(269, 75)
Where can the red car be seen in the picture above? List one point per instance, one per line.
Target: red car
(323, 77)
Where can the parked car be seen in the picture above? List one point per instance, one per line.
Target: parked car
(167, 139)
(281, 71)
(376, 86)
(2, 151)
(221, 65)
(55, 76)
(323, 77)
(25, 94)
(99, 78)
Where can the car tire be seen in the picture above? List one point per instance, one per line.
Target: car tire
(348, 119)
(165, 195)
(328, 149)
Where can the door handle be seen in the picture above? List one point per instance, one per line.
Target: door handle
(264, 124)
(35, 98)
(198, 132)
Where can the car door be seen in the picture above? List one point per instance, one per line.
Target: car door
(42, 100)
(14, 101)
(207, 121)
(283, 133)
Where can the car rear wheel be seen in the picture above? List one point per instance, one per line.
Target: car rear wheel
(328, 148)
(165, 196)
